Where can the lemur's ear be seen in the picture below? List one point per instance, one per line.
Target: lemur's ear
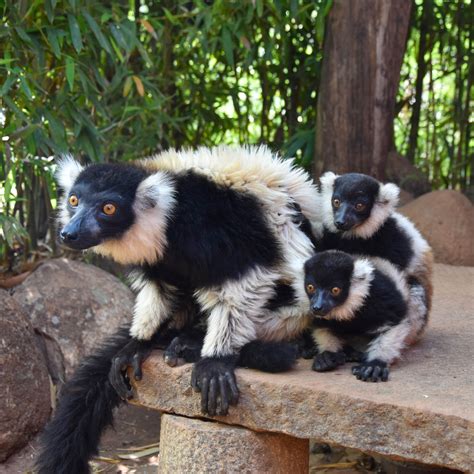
(156, 189)
(389, 194)
(327, 180)
(67, 172)
(363, 269)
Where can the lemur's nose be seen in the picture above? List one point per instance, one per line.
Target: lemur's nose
(340, 224)
(67, 236)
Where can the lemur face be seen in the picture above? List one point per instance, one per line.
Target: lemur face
(353, 197)
(328, 280)
(98, 205)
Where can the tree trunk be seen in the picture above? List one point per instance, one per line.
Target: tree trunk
(363, 52)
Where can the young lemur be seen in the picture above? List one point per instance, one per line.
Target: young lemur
(359, 217)
(213, 226)
(350, 296)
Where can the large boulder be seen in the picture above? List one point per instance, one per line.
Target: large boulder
(403, 173)
(73, 306)
(446, 219)
(25, 403)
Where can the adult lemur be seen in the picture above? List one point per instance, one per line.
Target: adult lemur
(215, 227)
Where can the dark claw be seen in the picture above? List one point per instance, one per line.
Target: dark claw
(234, 397)
(133, 354)
(214, 378)
(328, 361)
(373, 371)
(212, 402)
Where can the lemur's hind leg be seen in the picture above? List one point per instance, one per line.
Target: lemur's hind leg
(330, 351)
(382, 352)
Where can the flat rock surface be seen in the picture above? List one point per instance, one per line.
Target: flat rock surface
(425, 412)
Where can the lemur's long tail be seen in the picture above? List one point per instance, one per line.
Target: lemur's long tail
(84, 410)
(268, 356)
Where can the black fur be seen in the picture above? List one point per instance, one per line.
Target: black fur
(216, 234)
(85, 409)
(284, 296)
(268, 356)
(389, 242)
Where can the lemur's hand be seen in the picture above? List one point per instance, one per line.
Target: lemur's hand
(328, 360)
(133, 354)
(183, 347)
(214, 377)
(373, 371)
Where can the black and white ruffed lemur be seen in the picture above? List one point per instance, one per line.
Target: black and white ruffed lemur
(359, 217)
(219, 227)
(360, 296)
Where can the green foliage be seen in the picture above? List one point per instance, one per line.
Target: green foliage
(120, 80)
(443, 145)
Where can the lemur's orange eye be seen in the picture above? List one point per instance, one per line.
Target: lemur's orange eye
(73, 200)
(336, 203)
(109, 209)
(310, 288)
(335, 291)
(360, 206)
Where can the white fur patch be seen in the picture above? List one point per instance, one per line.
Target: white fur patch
(417, 313)
(152, 308)
(234, 309)
(361, 279)
(327, 189)
(145, 240)
(67, 172)
(326, 340)
(389, 345)
(275, 181)
(419, 245)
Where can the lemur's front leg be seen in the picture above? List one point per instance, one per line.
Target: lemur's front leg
(233, 310)
(382, 351)
(330, 350)
(153, 307)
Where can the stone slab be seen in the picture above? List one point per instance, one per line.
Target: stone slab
(425, 413)
(190, 445)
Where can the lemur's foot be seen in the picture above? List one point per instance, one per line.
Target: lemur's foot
(133, 354)
(353, 355)
(328, 360)
(373, 371)
(183, 347)
(214, 377)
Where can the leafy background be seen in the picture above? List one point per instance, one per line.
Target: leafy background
(116, 80)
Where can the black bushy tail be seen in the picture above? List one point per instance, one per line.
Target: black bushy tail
(84, 410)
(268, 356)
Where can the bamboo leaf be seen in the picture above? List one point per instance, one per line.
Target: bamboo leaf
(70, 72)
(97, 32)
(127, 86)
(149, 27)
(53, 39)
(75, 32)
(228, 46)
(139, 85)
